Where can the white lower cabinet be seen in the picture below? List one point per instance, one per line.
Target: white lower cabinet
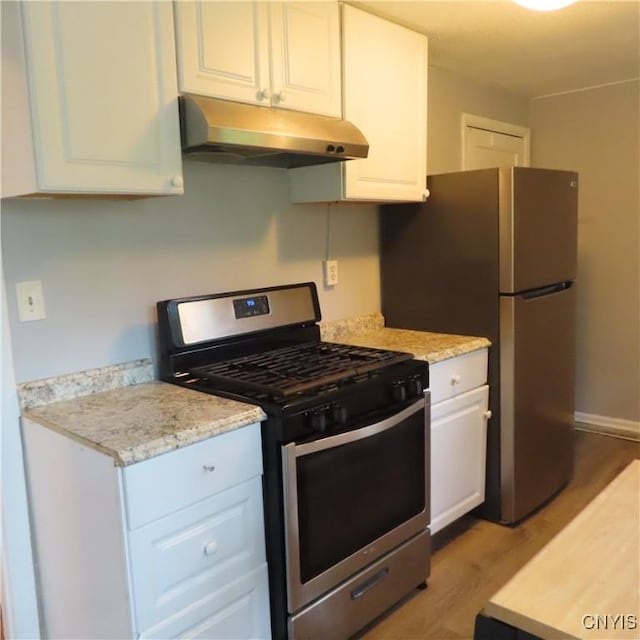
(169, 547)
(194, 552)
(458, 436)
(231, 613)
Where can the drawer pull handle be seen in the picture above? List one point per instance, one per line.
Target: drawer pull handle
(488, 414)
(210, 548)
(455, 379)
(208, 468)
(369, 584)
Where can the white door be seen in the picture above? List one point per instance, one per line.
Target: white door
(276, 54)
(102, 82)
(489, 143)
(458, 455)
(223, 50)
(305, 56)
(385, 67)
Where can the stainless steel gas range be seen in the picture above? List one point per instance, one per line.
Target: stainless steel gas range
(345, 448)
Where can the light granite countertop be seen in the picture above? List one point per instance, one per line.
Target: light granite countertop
(140, 421)
(120, 411)
(423, 345)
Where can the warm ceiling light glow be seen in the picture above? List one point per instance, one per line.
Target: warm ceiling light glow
(544, 5)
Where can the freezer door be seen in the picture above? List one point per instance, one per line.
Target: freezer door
(537, 356)
(538, 227)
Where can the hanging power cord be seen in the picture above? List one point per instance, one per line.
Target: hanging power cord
(327, 253)
(329, 266)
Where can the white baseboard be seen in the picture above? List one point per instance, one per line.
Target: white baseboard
(629, 429)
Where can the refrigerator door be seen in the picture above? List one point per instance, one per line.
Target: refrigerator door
(537, 370)
(538, 227)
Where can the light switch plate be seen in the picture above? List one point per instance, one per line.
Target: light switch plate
(30, 301)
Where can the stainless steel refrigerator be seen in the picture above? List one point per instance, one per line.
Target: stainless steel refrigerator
(493, 253)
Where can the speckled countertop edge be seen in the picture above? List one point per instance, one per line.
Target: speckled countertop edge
(423, 345)
(134, 423)
(82, 383)
(334, 330)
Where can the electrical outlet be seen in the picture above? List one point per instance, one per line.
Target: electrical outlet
(330, 272)
(30, 301)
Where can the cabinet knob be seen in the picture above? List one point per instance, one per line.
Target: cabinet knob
(177, 182)
(210, 548)
(264, 94)
(425, 194)
(281, 96)
(455, 379)
(487, 414)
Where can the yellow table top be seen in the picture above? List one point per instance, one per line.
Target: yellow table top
(585, 583)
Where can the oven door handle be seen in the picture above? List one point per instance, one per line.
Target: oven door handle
(358, 434)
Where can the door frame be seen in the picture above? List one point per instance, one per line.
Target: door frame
(505, 128)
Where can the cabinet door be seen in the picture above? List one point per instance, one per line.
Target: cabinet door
(385, 96)
(458, 455)
(223, 50)
(184, 557)
(305, 56)
(102, 85)
(238, 611)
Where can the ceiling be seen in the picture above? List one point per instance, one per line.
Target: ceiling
(528, 53)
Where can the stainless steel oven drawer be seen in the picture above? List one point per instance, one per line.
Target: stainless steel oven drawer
(369, 593)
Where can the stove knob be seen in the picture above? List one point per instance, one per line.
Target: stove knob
(399, 392)
(318, 420)
(415, 387)
(339, 414)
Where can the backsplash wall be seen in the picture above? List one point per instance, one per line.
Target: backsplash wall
(104, 264)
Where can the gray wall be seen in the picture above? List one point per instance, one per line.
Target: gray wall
(450, 96)
(597, 133)
(104, 264)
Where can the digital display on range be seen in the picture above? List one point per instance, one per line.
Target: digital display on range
(249, 307)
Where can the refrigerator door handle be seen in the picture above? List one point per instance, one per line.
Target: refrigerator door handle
(545, 291)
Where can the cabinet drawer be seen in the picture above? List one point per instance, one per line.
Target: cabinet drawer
(184, 557)
(457, 375)
(458, 456)
(169, 482)
(240, 610)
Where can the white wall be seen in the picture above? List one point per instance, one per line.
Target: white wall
(104, 264)
(597, 132)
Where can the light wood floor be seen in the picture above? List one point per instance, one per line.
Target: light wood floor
(471, 567)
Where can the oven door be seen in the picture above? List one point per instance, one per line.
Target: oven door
(352, 497)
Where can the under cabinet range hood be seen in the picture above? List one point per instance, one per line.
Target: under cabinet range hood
(231, 132)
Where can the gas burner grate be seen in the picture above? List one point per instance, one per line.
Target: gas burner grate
(298, 368)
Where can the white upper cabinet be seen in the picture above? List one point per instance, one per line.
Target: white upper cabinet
(385, 96)
(89, 99)
(280, 54)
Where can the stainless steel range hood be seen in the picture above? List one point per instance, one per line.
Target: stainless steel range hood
(231, 132)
